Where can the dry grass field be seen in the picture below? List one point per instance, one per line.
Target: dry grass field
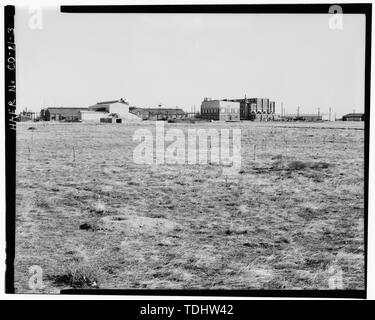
(90, 217)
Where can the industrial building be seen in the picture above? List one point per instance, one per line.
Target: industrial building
(354, 117)
(256, 108)
(223, 110)
(27, 116)
(302, 117)
(117, 109)
(61, 114)
(159, 113)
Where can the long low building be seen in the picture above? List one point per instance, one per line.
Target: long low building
(62, 114)
(159, 113)
(354, 117)
(220, 110)
(109, 109)
(118, 109)
(302, 117)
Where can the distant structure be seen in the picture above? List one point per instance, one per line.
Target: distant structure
(354, 117)
(159, 113)
(61, 114)
(115, 109)
(261, 109)
(27, 116)
(303, 117)
(220, 110)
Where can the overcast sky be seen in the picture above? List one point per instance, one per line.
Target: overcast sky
(178, 59)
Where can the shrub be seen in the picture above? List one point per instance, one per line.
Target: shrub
(300, 165)
(78, 276)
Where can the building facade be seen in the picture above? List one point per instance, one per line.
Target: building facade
(256, 108)
(158, 113)
(27, 116)
(272, 107)
(220, 110)
(302, 117)
(117, 109)
(61, 114)
(354, 117)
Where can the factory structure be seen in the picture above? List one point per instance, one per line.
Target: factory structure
(114, 111)
(354, 117)
(302, 117)
(229, 110)
(261, 109)
(220, 110)
(257, 109)
(160, 113)
(70, 114)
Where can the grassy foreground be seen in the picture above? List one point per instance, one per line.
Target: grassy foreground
(90, 217)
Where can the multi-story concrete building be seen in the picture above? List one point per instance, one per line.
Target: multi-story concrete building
(265, 105)
(272, 107)
(222, 110)
(256, 108)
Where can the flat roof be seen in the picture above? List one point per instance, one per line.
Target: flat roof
(66, 108)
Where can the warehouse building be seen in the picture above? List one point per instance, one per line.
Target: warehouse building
(116, 109)
(62, 114)
(220, 110)
(27, 116)
(302, 117)
(159, 113)
(354, 117)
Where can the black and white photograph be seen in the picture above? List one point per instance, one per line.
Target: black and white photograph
(214, 150)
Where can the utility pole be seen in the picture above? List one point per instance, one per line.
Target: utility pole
(330, 113)
(282, 109)
(318, 112)
(298, 111)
